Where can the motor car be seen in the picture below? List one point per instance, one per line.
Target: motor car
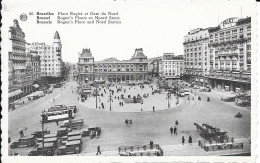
(27, 141)
(71, 147)
(92, 130)
(63, 131)
(49, 150)
(229, 99)
(196, 87)
(244, 104)
(38, 134)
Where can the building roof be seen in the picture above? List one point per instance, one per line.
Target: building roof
(56, 36)
(139, 54)
(111, 59)
(86, 53)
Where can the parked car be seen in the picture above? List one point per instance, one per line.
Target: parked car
(28, 141)
(244, 104)
(71, 147)
(49, 149)
(229, 99)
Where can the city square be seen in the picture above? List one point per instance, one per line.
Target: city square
(170, 90)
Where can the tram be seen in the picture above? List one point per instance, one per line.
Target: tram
(49, 116)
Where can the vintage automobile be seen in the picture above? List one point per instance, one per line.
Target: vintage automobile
(28, 141)
(49, 150)
(71, 147)
(74, 107)
(72, 138)
(63, 131)
(74, 133)
(238, 115)
(244, 104)
(92, 131)
(73, 124)
(38, 134)
(229, 99)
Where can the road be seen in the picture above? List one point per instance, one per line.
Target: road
(146, 126)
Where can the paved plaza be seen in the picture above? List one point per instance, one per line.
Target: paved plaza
(147, 125)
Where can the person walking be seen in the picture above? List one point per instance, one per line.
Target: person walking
(175, 130)
(122, 103)
(182, 140)
(57, 122)
(190, 140)
(98, 150)
(21, 133)
(176, 123)
(119, 103)
(171, 130)
(153, 108)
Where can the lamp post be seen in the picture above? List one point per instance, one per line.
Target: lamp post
(141, 106)
(43, 118)
(168, 97)
(177, 97)
(110, 99)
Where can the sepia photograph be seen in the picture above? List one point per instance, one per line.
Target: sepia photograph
(155, 80)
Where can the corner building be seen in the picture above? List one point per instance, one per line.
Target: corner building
(112, 69)
(230, 55)
(19, 64)
(196, 56)
(50, 58)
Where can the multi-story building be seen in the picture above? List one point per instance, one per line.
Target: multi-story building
(196, 56)
(153, 66)
(111, 69)
(19, 64)
(50, 58)
(230, 53)
(172, 66)
(220, 56)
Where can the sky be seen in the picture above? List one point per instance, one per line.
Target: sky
(158, 26)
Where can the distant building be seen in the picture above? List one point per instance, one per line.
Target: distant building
(172, 66)
(111, 69)
(19, 64)
(51, 58)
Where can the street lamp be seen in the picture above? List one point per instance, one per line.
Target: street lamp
(168, 97)
(110, 99)
(177, 97)
(96, 93)
(43, 119)
(141, 106)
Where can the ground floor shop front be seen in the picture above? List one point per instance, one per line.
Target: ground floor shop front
(224, 84)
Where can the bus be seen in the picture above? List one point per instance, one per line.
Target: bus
(59, 115)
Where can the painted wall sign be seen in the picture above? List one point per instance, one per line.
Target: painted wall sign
(229, 22)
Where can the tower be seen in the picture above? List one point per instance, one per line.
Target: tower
(57, 46)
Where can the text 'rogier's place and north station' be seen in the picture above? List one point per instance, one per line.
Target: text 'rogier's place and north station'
(77, 18)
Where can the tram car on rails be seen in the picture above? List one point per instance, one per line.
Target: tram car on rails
(49, 116)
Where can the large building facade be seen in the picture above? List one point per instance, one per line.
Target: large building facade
(196, 56)
(50, 58)
(230, 52)
(172, 66)
(220, 57)
(111, 69)
(19, 64)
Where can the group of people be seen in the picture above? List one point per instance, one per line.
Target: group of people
(183, 140)
(174, 130)
(128, 122)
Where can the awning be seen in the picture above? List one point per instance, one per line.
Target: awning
(35, 85)
(14, 93)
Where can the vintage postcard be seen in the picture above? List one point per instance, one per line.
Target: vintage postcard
(129, 81)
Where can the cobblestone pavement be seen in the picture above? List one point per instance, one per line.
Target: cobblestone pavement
(146, 126)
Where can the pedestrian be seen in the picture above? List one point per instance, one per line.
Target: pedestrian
(126, 122)
(98, 150)
(153, 108)
(57, 122)
(175, 130)
(21, 133)
(182, 140)
(176, 122)
(122, 103)
(118, 97)
(119, 103)
(190, 140)
(115, 97)
(171, 130)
